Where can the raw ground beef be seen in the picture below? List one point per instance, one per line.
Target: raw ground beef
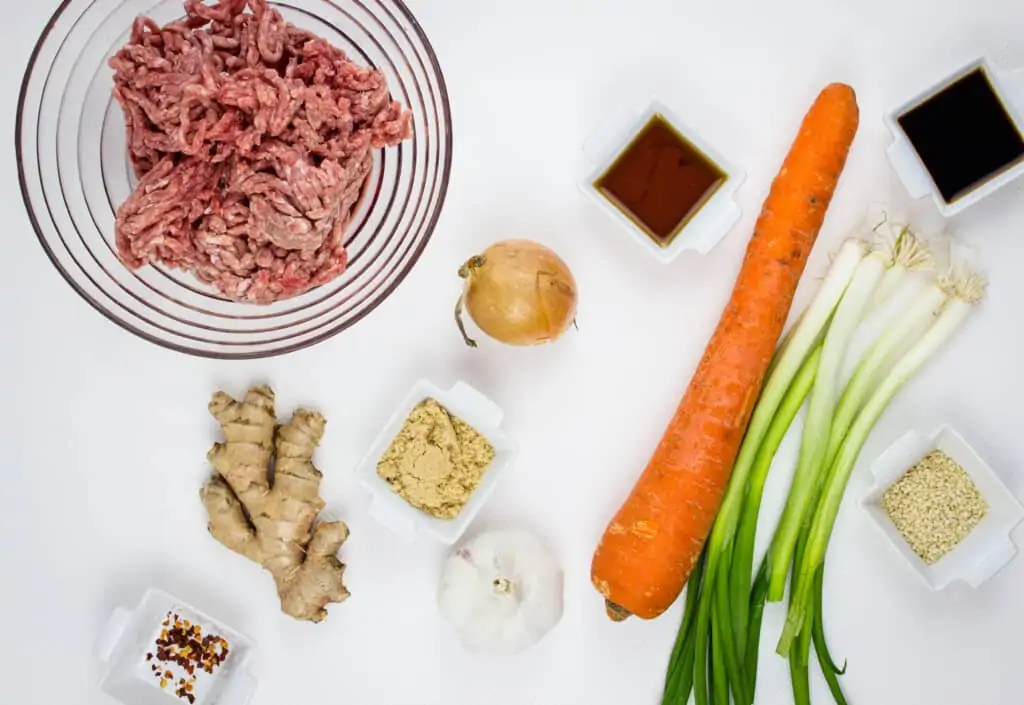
(252, 140)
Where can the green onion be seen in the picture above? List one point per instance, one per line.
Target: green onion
(731, 652)
(679, 681)
(965, 290)
(828, 667)
(719, 679)
(908, 254)
(787, 363)
(918, 313)
(800, 650)
(758, 594)
(801, 682)
(799, 342)
(743, 553)
(814, 441)
(702, 669)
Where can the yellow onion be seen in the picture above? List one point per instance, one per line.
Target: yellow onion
(517, 292)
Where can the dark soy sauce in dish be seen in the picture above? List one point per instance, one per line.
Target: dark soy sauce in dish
(964, 135)
(660, 180)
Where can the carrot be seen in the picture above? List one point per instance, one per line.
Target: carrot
(651, 545)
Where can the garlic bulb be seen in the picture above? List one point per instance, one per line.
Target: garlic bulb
(501, 591)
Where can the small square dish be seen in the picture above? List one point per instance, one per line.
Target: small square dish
(962, 139)
(466, 405)
(661, 182)
(986, 547)
(166, 652)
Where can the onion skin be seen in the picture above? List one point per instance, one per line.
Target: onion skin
(518, 292)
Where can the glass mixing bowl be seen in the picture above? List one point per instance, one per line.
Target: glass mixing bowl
(74, 173)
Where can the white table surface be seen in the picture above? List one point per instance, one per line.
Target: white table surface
(104, 435)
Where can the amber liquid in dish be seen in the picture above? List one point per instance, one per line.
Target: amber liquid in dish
(660, 180)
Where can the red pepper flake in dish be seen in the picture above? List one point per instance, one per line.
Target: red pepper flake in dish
(182, 645)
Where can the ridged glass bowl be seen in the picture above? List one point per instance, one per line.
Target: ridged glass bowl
(74, 173)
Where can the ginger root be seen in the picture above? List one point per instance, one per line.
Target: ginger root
(275, 525)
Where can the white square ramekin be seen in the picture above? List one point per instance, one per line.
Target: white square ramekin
(987, 548)
(1009, 87)
(712, 221)
(470, 406)
(122, 646)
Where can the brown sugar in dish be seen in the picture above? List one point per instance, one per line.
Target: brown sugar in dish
(436, 461)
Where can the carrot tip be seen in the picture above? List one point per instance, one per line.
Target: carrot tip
(616, 613)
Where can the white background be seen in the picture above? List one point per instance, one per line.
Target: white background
(103, 436)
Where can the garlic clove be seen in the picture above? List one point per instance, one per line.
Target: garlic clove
(501, 591)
